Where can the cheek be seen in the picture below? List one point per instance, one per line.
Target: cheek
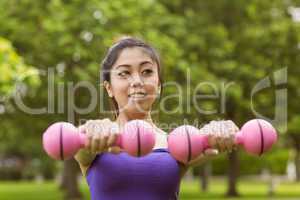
(152, 84)
(120, 89)
(118, 84)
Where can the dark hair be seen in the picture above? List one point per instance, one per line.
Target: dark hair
(113, 54)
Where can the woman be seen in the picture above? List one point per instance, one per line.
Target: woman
(131, 74)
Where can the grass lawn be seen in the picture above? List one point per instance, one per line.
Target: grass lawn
(189, 190)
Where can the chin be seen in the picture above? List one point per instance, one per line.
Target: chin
(139, 111)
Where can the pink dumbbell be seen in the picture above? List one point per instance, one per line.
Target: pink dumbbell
(256, 136)
(62, 140)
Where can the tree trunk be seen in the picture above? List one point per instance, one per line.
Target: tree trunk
(69, 184)
(204, 176)
(297, 164)
(295, 139)
(232, 174)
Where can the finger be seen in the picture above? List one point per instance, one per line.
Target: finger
(103, 143)
(114, 128)
(94, 126)
(220, 144)
(112, 139)
(88, 125)
(212, 141)
(95, 143)
(232, 126)
(228, 144)
(235, 127)
(89, 128)
(207, 155)
(106, 120)
(89, 136)
(88, 142)
(81, 130)
(234, 146)
(211, 152)
(114, 150)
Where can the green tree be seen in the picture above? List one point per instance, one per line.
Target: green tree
(241, 42)
(214, 41)
(74, 36)
(13, 70)
(294, 135)
(14, 76)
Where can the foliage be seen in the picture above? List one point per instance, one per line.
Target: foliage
(218, 42)
(13, 70)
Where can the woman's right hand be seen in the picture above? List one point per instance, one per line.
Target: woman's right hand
(101, 135)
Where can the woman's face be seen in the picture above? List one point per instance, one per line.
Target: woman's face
(134, 81)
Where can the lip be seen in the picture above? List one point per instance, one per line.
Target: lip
(139, 95)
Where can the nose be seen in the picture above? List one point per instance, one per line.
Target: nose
(136, 80)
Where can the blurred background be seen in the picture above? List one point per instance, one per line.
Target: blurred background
(253, 44)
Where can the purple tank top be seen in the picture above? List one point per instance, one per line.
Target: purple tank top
(155, 176)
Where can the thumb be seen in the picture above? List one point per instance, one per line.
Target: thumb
(211, 152)
(114, 150)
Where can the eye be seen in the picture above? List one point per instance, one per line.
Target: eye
(123, 73)
(147, 72)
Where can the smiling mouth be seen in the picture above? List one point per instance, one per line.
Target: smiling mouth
(137, 95)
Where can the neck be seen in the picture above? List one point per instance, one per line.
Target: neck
(123, 118)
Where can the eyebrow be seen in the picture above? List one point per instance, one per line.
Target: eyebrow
(141, 63)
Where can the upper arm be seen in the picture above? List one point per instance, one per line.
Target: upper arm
(195, 162)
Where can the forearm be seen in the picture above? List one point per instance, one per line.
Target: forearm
(207, 155)
(198, 161)
(84, 157)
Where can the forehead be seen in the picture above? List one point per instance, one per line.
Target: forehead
(132, 56)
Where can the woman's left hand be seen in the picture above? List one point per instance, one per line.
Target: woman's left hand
(221, 134)
(220, 138)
